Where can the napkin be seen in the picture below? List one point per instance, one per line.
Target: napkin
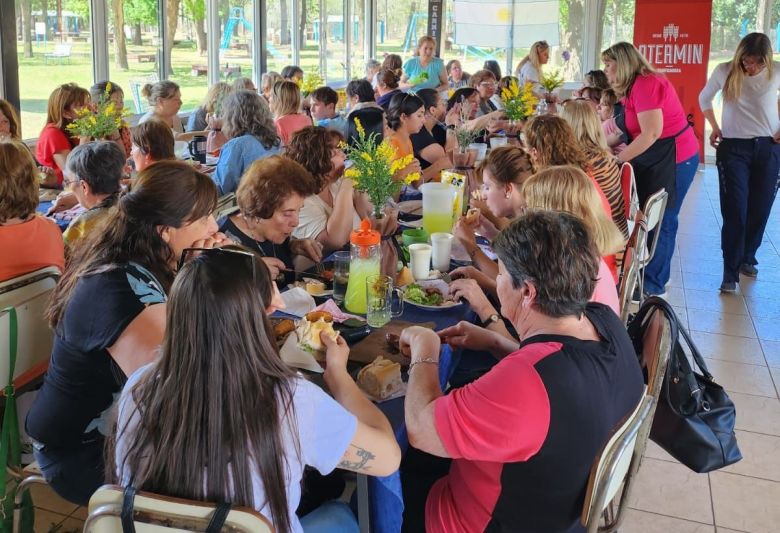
(294, 356)
(338, 315)
(297, 302)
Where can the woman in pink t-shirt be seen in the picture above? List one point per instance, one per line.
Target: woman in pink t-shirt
(285, 105)
(55, 142)
(663, 148)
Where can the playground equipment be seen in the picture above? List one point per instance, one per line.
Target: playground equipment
(237, 17)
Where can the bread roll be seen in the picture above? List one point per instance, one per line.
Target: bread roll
(381, 378)
(404, 277)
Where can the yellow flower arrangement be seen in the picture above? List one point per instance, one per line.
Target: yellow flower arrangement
(374, 167)
(519, 103)
(310, 82)
(104, 122)
(551, 81)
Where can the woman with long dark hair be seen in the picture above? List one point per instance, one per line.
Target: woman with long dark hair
(221, 418)
(108, 316)
(663, 151)
(748, 153)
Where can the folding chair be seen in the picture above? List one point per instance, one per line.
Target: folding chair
(656, 349)
(153, 513)
(654, 214)
(614, 467)
(29, 294)
(628, 282)
(628, 185)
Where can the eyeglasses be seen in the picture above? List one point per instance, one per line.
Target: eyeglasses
(488, 84)
(66, 182)
(234, 250)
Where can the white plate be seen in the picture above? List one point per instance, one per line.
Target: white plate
(437, 284)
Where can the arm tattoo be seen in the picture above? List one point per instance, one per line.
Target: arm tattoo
(364, 457)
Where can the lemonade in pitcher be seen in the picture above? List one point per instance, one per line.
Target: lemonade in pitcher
(438, 203)
(364, 262)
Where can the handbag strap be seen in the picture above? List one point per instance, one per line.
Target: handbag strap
(218, 518)
(128, 523)
(128, 502)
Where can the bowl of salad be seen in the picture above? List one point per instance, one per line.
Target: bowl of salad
(432, 294)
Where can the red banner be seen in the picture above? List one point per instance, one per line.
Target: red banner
(674, 36)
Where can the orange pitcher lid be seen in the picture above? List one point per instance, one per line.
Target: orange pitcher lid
(365, 236)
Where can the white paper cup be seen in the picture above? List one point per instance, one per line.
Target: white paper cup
(441, 244)
(420, 260)
(495, 142)
(481, 150)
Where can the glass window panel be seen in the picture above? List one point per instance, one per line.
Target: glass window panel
(617, 23)
(357, 55)
(186, 20)
(54, 46)
(567, 56)
(399, 24)
(278, 40)
(133, 50)
(235, 44)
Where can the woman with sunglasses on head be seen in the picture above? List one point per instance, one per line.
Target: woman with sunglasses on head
(218, 359)
(663, 149)
(108, 316)
(748, 153)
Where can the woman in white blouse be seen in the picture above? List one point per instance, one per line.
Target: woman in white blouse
(748, 153)
(530, 68)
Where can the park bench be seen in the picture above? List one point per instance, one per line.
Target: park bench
(61, 51)
(143, 58)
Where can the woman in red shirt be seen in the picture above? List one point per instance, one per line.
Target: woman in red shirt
(663, 149)
(55, 142)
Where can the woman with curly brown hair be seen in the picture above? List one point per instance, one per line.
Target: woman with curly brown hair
(270, 199)
(249, 126)
(552, 142)
(329, 215)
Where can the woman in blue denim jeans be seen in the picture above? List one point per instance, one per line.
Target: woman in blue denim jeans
(663, 150)
(748, 153)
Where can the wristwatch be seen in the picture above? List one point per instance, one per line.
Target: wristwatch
(492, 319)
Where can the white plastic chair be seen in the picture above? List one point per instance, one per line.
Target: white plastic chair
(613, 468)
(29, 294)
(163, 514)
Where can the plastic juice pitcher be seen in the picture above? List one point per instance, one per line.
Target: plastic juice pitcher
(364, 261)
(438, 204)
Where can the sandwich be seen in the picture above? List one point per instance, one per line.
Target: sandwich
(472, 216)
(380, 379)
(309, 329)
(282, 329)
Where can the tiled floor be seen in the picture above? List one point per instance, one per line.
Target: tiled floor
(740, 337)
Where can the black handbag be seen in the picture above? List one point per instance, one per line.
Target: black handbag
(694, 420)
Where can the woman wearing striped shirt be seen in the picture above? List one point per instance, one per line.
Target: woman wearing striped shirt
(603, 166)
